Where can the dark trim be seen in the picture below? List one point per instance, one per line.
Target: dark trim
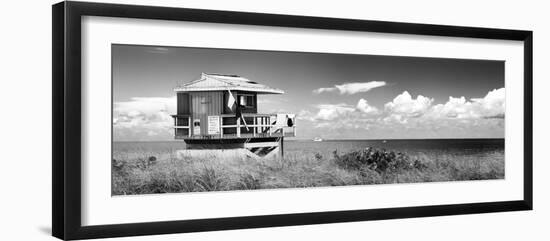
(201, 225)
(528, 120)
(58, 180)
(262, 19)
(66, 125)
(73, 128)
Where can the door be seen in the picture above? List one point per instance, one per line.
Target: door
(204, 104)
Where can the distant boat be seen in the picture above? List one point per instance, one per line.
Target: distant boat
(384, 141)
(317, 139)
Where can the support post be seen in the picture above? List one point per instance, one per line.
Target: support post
(281, 148)
(238, 127)
(221, 126)
(269, 126)
(189, 126)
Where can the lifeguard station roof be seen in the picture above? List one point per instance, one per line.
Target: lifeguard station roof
(217, 82)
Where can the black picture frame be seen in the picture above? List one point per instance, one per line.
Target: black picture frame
(66, 122)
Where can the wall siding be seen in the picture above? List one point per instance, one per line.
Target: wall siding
(204, 104)
(183, 104)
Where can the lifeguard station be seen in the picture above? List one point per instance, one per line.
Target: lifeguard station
(220, 112)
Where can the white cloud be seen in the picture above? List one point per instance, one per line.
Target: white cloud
(490, 106)
(352, 88)
(341, 116)
(414, 117)
(328, 112)
(493, 104)
(143, 117)
(321, 90)
(331, 112)
(364, 107)
(305, 115)
(146, 105)
(405, 106)
(453, 108)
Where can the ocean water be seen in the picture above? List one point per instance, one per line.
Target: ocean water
(478, 149)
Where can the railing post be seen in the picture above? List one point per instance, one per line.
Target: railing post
(221, 126)
(238, 127)
(189, 126)
(262, 124)
(254, 126)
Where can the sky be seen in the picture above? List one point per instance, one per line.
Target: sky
(335, 96)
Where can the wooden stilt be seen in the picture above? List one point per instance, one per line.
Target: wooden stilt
(281, 148)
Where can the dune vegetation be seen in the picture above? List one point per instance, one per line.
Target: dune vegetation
(147, 172)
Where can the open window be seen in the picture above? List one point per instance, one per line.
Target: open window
(246, 100)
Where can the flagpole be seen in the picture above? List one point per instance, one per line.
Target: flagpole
(244, 122)
(232, 101)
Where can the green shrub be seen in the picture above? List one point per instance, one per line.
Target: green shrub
(248, 181)
(209, 179)
(318, 156)
(183, 182)
(119, 167)
(380, 161)
(144, 163)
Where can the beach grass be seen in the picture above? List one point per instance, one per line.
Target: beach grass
(143, 172)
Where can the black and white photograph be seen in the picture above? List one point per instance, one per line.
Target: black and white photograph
(275, 120)
(188, 119)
